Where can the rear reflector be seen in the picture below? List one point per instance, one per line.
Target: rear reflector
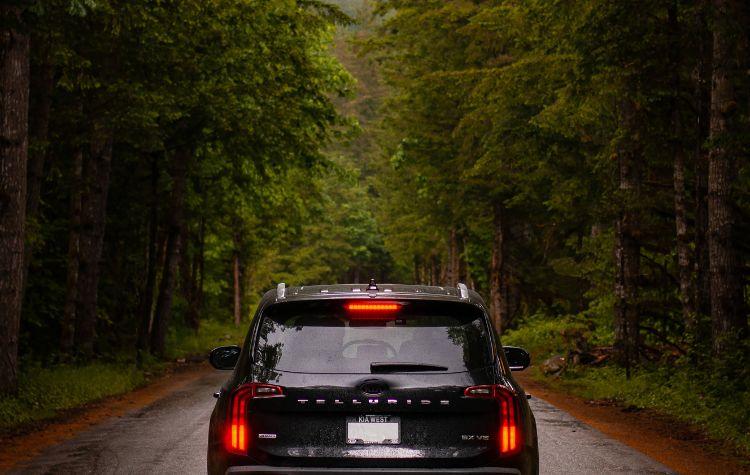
(479, 391)
(238, 435)
(509, 433)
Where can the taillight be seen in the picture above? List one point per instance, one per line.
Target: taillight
(509, 433)
(238, 430)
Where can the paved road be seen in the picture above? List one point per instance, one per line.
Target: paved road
(169, 436)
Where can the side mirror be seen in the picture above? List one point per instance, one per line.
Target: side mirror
(225, 357)
(518, 358)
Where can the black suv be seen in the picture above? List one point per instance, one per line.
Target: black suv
(371, 379)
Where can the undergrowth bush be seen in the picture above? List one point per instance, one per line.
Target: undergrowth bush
(183, 342)
(543, 336)
(711, 397)
(45, 392)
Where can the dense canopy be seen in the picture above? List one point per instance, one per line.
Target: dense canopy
(164, 163)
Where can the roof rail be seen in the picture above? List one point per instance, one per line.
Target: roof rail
(281, 291)
(464, 291)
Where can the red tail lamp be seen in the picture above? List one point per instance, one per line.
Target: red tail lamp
(509, 434)
(238, 433)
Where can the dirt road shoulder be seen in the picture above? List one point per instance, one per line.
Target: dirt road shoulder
(673, 443)
(19, 448)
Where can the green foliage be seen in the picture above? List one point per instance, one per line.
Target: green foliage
(247, 88)
(318, 151)
(703, 386)
(541, 336)
(520, 106)
(672, 390)
(544, 336)
(46, 392)
(184, 342)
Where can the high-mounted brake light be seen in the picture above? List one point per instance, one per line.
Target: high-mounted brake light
(372, 307)
(509, 435)
(368, 311)
(238, 433)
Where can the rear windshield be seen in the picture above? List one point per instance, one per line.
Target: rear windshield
(325, 337)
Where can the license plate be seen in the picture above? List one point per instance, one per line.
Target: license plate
(383, 430)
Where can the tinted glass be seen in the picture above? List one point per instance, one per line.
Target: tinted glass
(324, 337)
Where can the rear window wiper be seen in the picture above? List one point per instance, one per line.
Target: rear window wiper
(397, 367)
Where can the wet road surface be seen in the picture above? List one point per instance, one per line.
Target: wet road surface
(169, 436)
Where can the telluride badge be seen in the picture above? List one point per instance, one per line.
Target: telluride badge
(375, 402)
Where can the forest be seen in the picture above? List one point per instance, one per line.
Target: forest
(582, 164)
(161, 162)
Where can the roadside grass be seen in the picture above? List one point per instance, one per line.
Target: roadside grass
(712, 402)
(47, 392)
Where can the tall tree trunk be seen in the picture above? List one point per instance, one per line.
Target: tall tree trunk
(237, 274)
(467, 275)
(727, 299)
(14, 124)
(201, 266)
(453, 258)
(702, 265)
(511, 296)
(684, 261)
(434, 269)
(196, 279)
(247, 279)
(96, 175)
(498, 302)
(684, 258)
(187, 279)
(461, 258)
(443, 271)
(145, 308)
(627, 247)
(417, 270)
(702, 100)
(191, 294)
(178, 170)
(237, 289)
(163, 311)
(201, 261)
(68, 323)
(161, 256)
(40, 104)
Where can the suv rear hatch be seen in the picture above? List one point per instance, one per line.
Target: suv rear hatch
(368, 381)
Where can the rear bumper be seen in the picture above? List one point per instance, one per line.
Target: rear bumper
(369, 471)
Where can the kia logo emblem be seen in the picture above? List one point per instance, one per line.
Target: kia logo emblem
(373, 387)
